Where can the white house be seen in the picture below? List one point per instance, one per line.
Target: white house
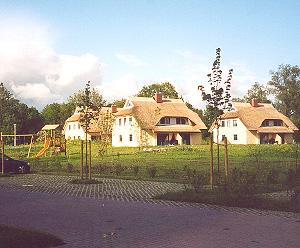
(254, 123)
(152, 121)
(73, 130)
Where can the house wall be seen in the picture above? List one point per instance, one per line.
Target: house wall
(229, 131)
(288, 138)
(253, 137)
(74, 131)
(196, 138)
(123, 128)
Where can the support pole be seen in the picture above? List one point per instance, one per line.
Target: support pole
(226, 157)
(81, 159)
(31, 140)
(90, 159)
(2, 155)
(15, 134)
(211, 142)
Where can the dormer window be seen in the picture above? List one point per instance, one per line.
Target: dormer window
(181, 120)
(165, 121)
(271, 123)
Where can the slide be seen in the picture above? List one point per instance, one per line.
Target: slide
(44, 149)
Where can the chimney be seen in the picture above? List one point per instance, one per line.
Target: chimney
(158, 97)
(114, 108)
(254, 102)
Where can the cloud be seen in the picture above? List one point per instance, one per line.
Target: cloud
(122, 87)
(194, 73)
(34, 71)
(130, 59)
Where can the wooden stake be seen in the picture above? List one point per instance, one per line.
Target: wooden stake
(226, 156)
(2, 155)
(81, 159)
(90, 159)
(31, 140)
(211, 161)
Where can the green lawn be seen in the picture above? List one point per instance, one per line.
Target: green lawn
(169, 162)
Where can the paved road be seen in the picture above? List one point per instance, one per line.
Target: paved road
(96, 222)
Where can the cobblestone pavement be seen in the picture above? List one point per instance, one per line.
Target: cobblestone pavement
(114, 189)
(93, 223)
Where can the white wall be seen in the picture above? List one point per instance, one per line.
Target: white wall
(229, 131)
(125, 129)
(74, 131)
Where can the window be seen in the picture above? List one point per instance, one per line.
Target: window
(234, 123)
(120, 122)
(235, 137)
(79, 137)
(130, 121)
(69, 126)
(165, 120)
(125, 121)
(74, 126)
(223, 123)
(180, 120)
(228, 123)
(130, 137)
(78, 126)
(120, 138)
(223, 137)
(267, 123)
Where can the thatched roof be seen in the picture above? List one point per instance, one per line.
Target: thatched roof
(148, 113)
(94, 128)
(253, 117)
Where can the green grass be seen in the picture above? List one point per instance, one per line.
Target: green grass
(170, 161)
(12, 237)
(215, 198)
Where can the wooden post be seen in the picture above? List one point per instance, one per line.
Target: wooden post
(31, 140)
(81, 159)
(2, 155)
(65, 147)
(226, 156)
(218, 149)
(211, 161)
(90, 159)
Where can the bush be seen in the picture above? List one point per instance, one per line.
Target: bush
(273, 177)
(135, 169)
(293, 187)
(198, 181)
(100, 168)
(152, 171)
(70, 168)
(118, 169)
(172, 173)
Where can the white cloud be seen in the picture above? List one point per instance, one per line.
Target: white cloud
(124, 86)
(34, 71)
(130, 59)
(194, 73)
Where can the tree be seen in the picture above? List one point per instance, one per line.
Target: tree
(78, 98)
(218, 98)
(89, 111)
(28, 120)
(166, 88)
(285, 85)
(259, 92)
(119, 103)
(51, 113)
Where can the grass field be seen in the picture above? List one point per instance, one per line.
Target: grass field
(168, 162)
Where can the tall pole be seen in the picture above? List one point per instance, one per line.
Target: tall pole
(15, 134)
(90, 159)
(211, 161)
(2, 154)
(226, 157)
(81, 159)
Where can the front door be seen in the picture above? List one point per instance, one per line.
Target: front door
(185, 138)
(162, 139)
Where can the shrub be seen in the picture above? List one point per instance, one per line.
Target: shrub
(293, 187)
(70, 168)
(172, 173)
(273, 177)
(152, 171)
(135, 169)
(198, 181)
(100, 168)
(118, 169)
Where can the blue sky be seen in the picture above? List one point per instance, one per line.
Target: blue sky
(51, 48)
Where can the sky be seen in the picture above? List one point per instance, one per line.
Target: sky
(50, 49)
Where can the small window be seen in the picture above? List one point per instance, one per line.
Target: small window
(234, 123)
(223, 123)
(74, 126)
(79, 137)
(228, 123)
(130, 121)
(78, 126)
(235, 137)
(125, 121)
(223, 137)
(130, 137)
(120, 138)
(69, 126)
(120, 122)
(165, 120)
(267, 123)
